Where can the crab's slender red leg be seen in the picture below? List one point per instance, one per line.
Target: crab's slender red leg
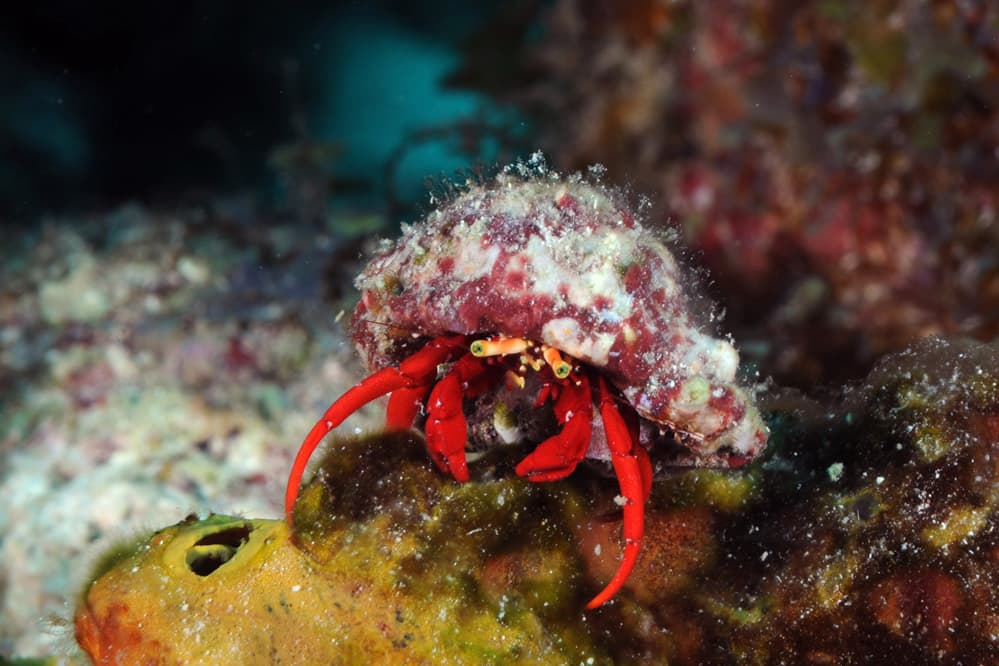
(556, 457)
(644, 464)
(403, 406)
(628, 466)
(446, 426)
(420, 369)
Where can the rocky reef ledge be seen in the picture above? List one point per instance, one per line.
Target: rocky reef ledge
(868, 529)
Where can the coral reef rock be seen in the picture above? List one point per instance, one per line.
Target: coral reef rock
(868, 529)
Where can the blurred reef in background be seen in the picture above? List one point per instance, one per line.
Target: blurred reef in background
(187, 191)
(835, 166)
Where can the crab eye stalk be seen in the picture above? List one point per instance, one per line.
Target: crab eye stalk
(499, 346)
(554, 359)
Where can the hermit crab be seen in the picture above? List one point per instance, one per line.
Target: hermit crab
(517, 306)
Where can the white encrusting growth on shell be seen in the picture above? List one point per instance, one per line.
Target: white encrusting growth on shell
(563, 262)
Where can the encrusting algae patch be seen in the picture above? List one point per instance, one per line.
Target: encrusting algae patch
(391, 563)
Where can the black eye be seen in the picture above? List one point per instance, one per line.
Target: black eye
(215, 549)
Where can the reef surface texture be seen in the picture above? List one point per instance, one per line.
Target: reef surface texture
(869, 530)
(833, 165)
(152, 364)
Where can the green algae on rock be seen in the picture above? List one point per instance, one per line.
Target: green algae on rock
(900, 554)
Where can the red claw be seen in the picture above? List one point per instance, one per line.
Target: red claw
(556, 457)
(446, 427)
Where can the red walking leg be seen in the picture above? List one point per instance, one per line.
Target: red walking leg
(403, 406)
(418, 370)
(632, 469)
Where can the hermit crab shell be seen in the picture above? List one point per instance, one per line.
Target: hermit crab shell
(564, 262)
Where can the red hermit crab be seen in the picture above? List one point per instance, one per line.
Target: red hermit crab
(537, 294)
